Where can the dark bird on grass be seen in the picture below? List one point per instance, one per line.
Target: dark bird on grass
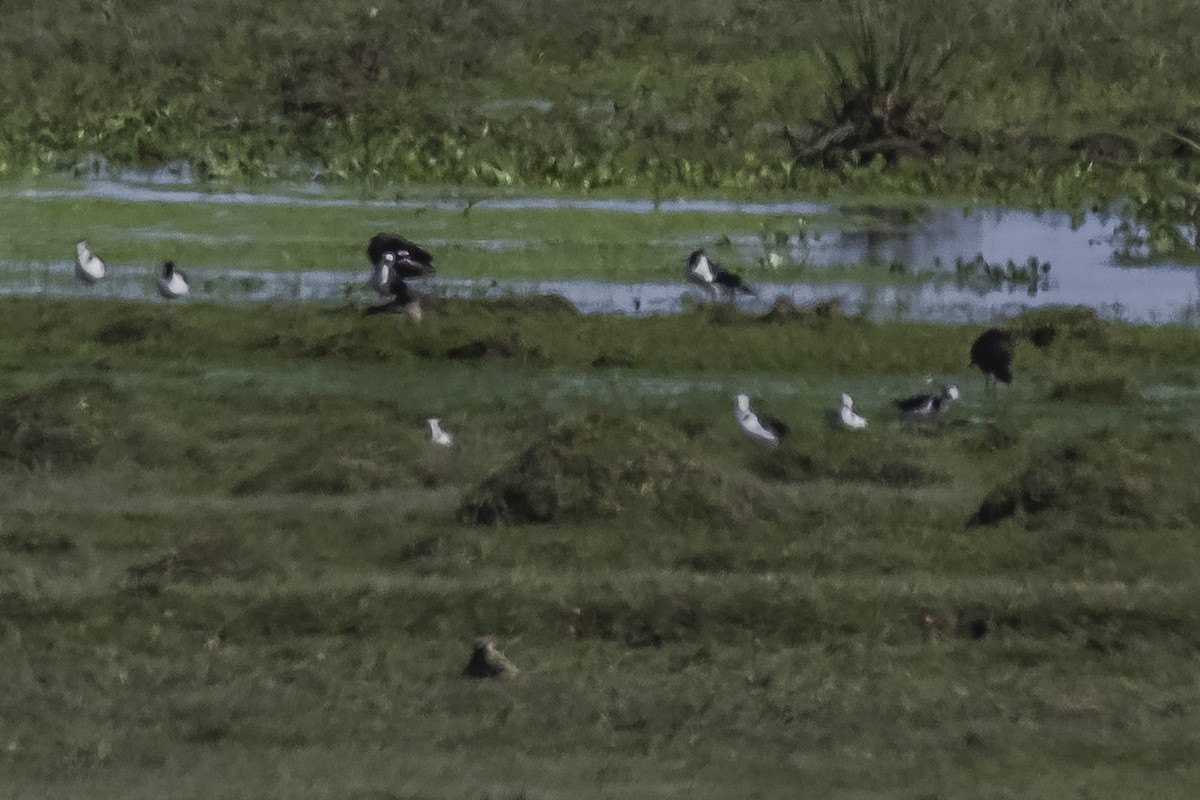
(927, 405)
(172, 283)
(762, 427)
(992, 352)
(407, 260)
(394, 260)
(488, 662)
(705, 272)
(88, 267)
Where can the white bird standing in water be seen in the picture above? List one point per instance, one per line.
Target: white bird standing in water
(846, 418)
(764, 428)
(88, 268)
(439, 435)
(172, 283)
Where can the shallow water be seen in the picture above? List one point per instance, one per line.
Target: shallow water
(820, 237)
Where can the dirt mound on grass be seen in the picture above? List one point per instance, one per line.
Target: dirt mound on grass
(602, 466)
(1102, 480)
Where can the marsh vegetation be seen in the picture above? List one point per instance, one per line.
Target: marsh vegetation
(233, 564)
(231, 561)
(1052, 104)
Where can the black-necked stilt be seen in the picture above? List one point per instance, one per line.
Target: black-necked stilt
(172, 283)
(845, 416)
(705, 272)
(393, 260)
(407, 260)
(438, 434)
(762, 427)
(88, 267)
(992, 352)
(927, 405)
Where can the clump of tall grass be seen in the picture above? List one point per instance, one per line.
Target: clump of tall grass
(882, 97)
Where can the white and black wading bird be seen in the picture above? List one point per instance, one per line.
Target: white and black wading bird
(703, 271)
(172, 283)
(845, 416)
(927, 405)
(438, 434)
(762, 427)
(394, 260)
(88, 267)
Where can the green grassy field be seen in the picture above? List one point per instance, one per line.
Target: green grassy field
(631, 94)
(233, 565)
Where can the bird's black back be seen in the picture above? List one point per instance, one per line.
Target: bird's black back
(417, 259)
(992, 352)
(729, 280)
(911, 404)
(774, 425)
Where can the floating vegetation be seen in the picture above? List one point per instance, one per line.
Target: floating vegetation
(982, 275)
(783, 245)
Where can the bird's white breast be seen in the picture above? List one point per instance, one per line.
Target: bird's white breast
(174, 287)
(88, 267)
(751, 425)
(703, 270)
(383, 279)
(850, 419)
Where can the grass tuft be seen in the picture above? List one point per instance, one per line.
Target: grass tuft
(56, 427)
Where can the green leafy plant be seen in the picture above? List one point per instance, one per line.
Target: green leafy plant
(881, 97)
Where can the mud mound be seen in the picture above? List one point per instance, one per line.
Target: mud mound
(602, 466)
(1102, 480)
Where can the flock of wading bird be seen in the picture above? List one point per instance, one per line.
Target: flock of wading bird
(396, 260)
(992, 352)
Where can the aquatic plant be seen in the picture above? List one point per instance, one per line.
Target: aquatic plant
(982, 275)
(880, 97)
